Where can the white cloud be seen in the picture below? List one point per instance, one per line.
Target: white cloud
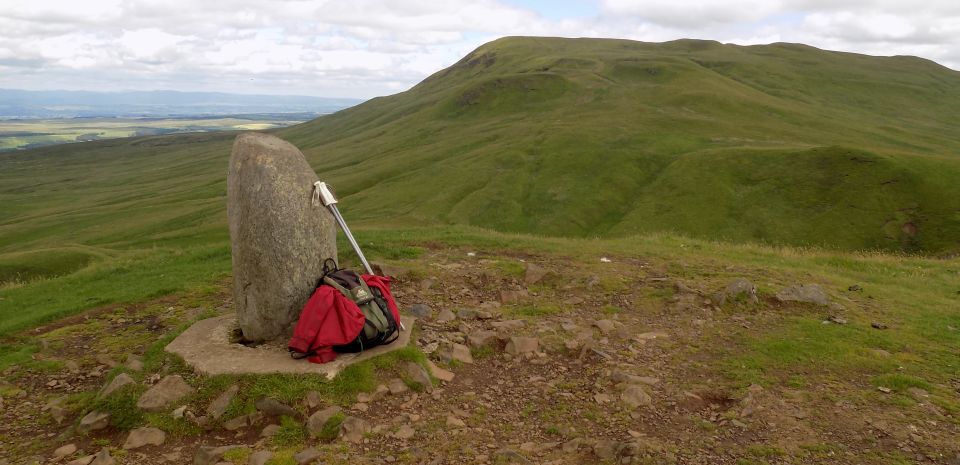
(373, 47)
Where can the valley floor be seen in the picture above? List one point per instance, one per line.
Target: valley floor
(636, 361)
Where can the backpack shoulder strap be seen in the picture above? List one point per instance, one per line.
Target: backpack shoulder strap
(334, 284)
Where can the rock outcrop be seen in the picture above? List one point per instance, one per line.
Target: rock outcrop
(279, 236)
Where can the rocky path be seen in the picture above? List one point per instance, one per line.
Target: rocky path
(535, 359)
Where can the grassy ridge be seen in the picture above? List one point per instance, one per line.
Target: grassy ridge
(781, 143)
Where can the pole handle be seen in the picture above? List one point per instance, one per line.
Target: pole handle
(322, 190)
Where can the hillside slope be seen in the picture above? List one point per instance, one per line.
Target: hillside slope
(582, 137)
(780, 143)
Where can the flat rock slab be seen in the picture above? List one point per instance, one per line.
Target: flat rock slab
(207, 348)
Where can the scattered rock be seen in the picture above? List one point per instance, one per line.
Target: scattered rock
(606, 449)
(534, 273)
(458, 352)
(651, 335)
(421, 311)
(605, 326)
(209, 455)
(306, 456)
(440, 373)
(855, 288)
(877, 325)
(169, 390)
(634, 396)
(397, 386)
(134, 363)
(57, 411)
(93, 421)
(455, 422)
(321, 417)
(508, 325)
(509, 456)
(65, 450)
(273, 407)
(279, 237)
(352, 429)
(522, 345)
(836, 320)
(467, 314)
(269, 431)
(116, 384)
(509, 297)
(622, 377)
(571, 446)
(481, 338)
(885, 390)
(82, 460)
(103, 458)
(738, 290)
(140, 437)
(236, 423)
(218, 407)
(419, 375)
(445, 315)
(179, 412)
(260, 457)
(105, 359)
(405, 432)
(312, 399)
(809, 293)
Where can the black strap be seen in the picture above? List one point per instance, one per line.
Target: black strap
(329, 266)
(299, 355)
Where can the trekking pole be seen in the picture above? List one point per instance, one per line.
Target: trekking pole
(322, 191)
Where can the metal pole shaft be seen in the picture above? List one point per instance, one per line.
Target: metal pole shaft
(353, 242)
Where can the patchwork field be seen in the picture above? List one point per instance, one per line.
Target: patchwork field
(27, 133)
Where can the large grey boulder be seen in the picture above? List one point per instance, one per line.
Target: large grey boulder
(279, 237)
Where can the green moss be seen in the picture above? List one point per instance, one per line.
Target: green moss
(900, 382)
(331, 428)
(238, 456)
(177, 427)
(291, 433)
(122, 407)
(765, 451)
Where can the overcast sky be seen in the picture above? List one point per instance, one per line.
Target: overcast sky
(365, 48)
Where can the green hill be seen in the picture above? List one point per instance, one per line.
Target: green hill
(780, 143)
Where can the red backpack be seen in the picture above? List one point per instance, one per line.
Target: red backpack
(346, 313)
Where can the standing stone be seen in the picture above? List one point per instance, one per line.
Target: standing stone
(279, 237)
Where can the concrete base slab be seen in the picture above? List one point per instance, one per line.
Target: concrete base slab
(207, 348)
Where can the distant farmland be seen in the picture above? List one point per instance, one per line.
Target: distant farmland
(27, 133)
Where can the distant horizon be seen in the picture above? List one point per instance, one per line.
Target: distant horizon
(181, 91)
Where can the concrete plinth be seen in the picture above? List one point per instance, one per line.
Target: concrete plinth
(207, 348)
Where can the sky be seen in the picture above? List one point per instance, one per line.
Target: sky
(366, 48)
